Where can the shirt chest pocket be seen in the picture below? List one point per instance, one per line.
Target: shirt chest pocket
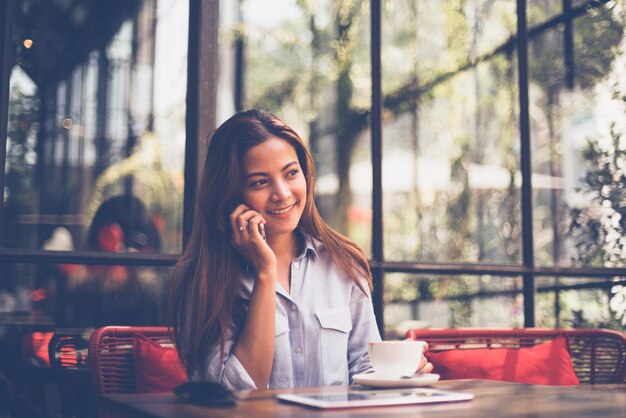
(335, 326)
(281, 339)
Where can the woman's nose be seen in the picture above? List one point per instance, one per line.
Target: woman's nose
(280, 191)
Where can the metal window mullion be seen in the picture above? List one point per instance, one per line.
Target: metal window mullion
(26, 256)
(191, 118)
(568, 43)
(202, 70)
(6, 14)
(526, 167)
(376, 138)
(495, 269)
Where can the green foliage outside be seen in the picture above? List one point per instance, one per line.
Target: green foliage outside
(450, 96)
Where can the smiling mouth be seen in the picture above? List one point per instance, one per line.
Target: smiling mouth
(281, 211)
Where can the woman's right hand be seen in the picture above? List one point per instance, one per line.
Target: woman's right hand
(246, 225)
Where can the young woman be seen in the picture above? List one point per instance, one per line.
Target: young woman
(266, 295)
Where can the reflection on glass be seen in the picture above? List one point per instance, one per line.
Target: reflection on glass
(66, 296)
(587, 308)
(578, 120)
(423, 40)
(308, 62)
(451, 155)
(418, 301)
(581, 302)
(60, 305)
(540, 11)
(96, 110)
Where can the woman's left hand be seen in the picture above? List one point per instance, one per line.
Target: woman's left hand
(424, 366)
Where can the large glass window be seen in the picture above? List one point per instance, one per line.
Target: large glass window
(578, 120)
(49, 296)
(451, 152)
(98, 115)
(452, 176)
(95, 155)
(96, 112)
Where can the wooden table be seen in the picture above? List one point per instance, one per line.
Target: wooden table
(492, 400)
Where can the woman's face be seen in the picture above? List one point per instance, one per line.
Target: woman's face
(274, 185)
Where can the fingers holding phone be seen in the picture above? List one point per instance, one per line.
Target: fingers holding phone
(251, 225)
(248, 231)
(244, 221)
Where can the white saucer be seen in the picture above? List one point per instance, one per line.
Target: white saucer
(376, 380)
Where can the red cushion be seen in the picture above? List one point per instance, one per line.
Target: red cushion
(157, 368)
(547, 364)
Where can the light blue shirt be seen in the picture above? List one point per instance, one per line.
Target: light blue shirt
(322, 328)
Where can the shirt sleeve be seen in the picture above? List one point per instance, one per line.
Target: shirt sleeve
(364, 330)
(226, 369)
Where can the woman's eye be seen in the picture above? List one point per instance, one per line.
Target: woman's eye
(292, 172)
(259, 183)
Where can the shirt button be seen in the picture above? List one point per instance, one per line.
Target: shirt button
(294, 307)
(295, 264)
(298, 349)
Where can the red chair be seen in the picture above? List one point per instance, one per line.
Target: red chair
(111, 356)
(598, 355)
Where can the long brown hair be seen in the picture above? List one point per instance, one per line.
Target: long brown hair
(205, 281)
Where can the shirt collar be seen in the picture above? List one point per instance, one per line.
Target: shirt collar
(311, 246)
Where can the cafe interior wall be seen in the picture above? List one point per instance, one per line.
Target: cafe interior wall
(71, 147)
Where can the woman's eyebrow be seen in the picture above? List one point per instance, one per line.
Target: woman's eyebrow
(261, 173)
(289, 165)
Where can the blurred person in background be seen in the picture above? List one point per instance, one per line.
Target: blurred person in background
(118, 295)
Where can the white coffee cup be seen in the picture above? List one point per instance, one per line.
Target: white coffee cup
(396, 359)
